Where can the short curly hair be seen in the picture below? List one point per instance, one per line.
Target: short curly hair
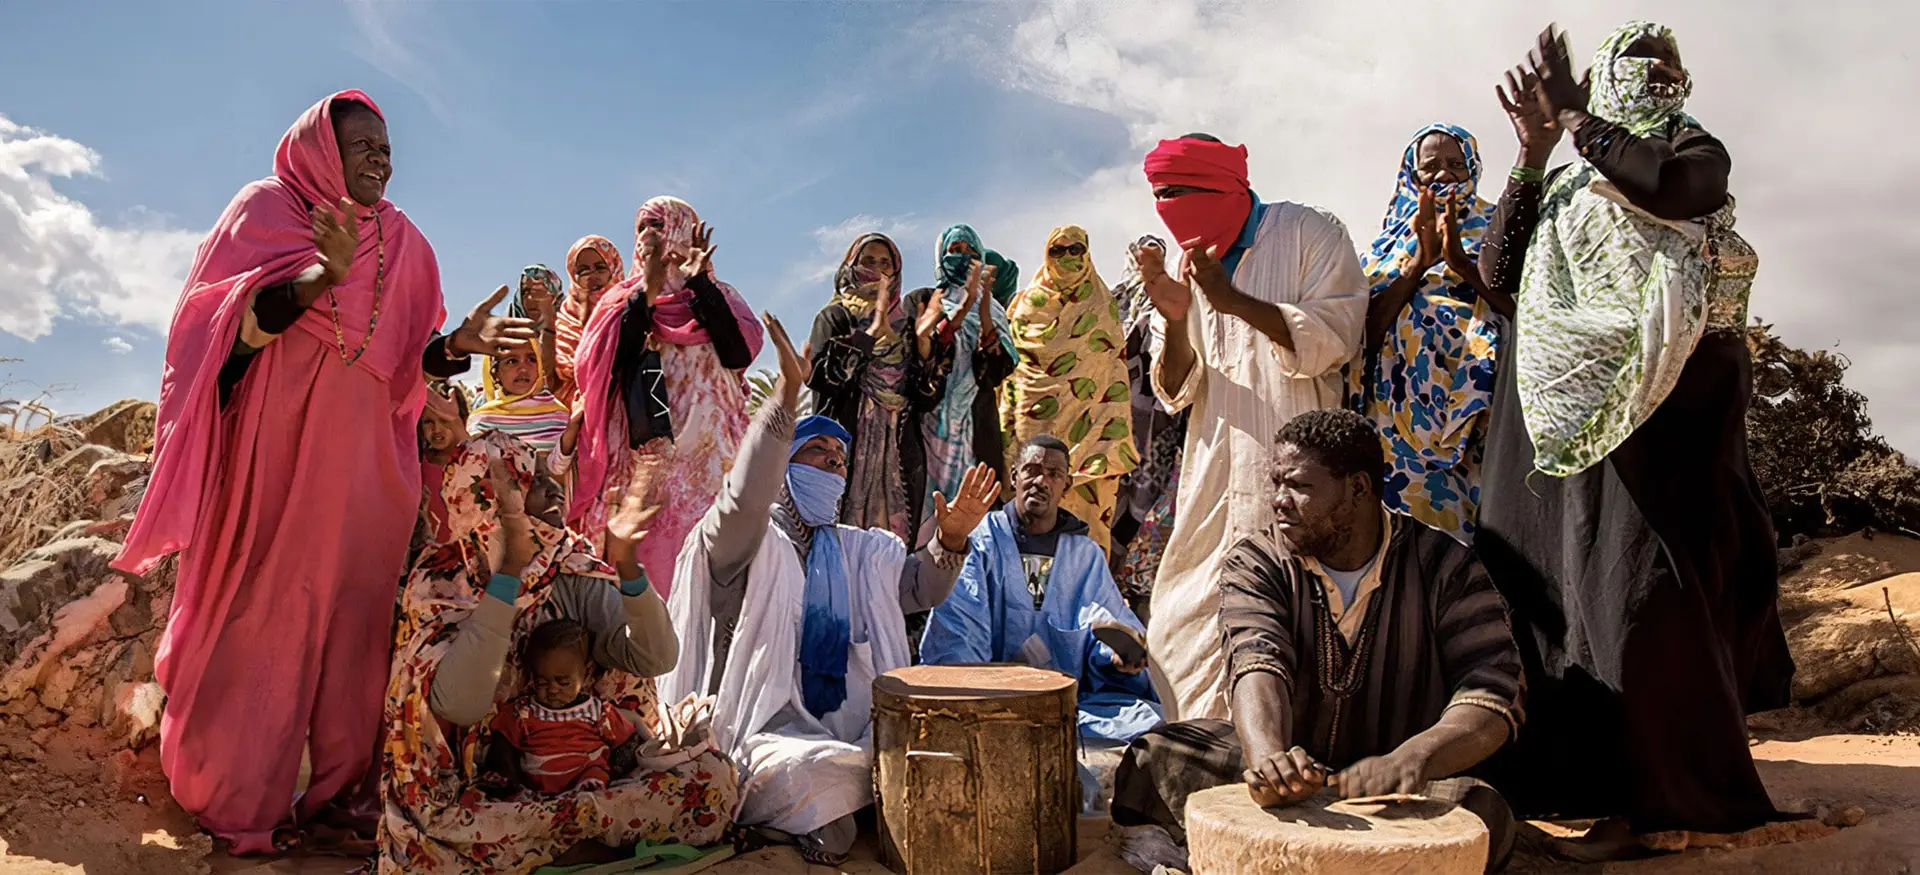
(558, 634)
(1342, 440)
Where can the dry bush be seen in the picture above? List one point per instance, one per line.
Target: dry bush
(45, 488)
(1824, 470)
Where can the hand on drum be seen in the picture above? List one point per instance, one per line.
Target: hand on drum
(1285, 778)
(1397, 772)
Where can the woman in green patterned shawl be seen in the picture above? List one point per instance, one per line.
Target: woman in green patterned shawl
(1620, 517)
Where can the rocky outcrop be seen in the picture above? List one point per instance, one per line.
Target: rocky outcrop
(77, 638)
(1852, 663)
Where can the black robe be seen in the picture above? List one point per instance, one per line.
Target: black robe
(1643, 590)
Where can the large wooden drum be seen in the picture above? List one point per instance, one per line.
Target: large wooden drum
(973, 769)
(1229, 835)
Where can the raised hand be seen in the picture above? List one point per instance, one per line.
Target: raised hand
(1456, 253)
(627, 523)
(1533, 124)
(336, 234)
(699, 256)
(1427, 237)
(1204, 269)
(1552, 66)
(1169, 296)
(882, 325)
(955, 521)
(510, 548)
(653, 263)
(796, 366)
(483, 333)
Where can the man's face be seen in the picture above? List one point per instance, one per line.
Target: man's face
(823, 452)
(1169, 192)
(1040, 481)
(1315, 509)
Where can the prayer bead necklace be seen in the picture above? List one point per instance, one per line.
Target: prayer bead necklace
(1340, 677)
(379, 289)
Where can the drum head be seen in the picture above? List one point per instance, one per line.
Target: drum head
(970, 681)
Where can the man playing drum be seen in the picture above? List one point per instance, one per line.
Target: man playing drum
(1366, 652)
(792, 667)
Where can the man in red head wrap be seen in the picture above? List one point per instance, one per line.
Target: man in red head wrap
(1265, 309)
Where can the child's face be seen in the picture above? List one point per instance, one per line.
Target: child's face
(440, 435)
(558, 678)
(517, 372)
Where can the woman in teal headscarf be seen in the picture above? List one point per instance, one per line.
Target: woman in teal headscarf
(977, 349)
(1620, 517)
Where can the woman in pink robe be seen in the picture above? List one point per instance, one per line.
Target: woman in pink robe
(287, 474)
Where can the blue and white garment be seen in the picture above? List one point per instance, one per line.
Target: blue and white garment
(990, 618)
(1430, 384)
(948, 429)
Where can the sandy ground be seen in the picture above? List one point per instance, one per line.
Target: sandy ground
(116, 833)
(69, 805)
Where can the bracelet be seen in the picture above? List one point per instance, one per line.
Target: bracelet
(1527, 174)
(636, 586)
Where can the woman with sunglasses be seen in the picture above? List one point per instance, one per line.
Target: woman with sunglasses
(1070, 377)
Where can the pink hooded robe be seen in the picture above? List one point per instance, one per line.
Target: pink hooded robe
(291, 507)
(707, 402)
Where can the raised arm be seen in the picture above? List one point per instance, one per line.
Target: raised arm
(929, 574)
(1685, 178)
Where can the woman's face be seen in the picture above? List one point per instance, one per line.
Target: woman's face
(591, 271)
(1440, 160)
(365, 156)
(877, 257)
(1666, 68)
(517, 372)
(959, 246)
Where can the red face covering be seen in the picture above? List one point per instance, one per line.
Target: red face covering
(1213, 217)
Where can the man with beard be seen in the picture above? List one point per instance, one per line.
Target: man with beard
(1036, 589)
(1366, 653)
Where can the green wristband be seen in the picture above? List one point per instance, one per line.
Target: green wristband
(1528, 174)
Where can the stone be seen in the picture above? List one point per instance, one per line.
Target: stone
(1227, 834)
(75, 622)
(127, 426)
(1849, 638)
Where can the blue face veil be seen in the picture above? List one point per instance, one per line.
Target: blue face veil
(826, 630)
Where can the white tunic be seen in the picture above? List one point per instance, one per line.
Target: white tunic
(1241, 389)
(799, 772)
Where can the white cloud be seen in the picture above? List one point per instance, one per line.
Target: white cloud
(57, 258)
(117, 345)
(831, 242)
(1325, 95)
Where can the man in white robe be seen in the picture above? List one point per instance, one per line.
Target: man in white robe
(791, 664)
(1267, 308)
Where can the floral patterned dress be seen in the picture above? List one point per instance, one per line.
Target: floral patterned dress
(436, 818)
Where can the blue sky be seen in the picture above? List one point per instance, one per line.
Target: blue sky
(519, 125)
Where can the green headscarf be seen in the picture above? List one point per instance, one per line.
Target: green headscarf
(1622, 90)
(1612, 300)
(1006, 278)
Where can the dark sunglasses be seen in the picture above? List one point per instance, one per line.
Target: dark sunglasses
(1074, 250)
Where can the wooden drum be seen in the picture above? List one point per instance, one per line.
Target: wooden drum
(1229, 835)
(973, 769)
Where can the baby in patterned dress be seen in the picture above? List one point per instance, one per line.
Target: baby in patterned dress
(558, 736)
